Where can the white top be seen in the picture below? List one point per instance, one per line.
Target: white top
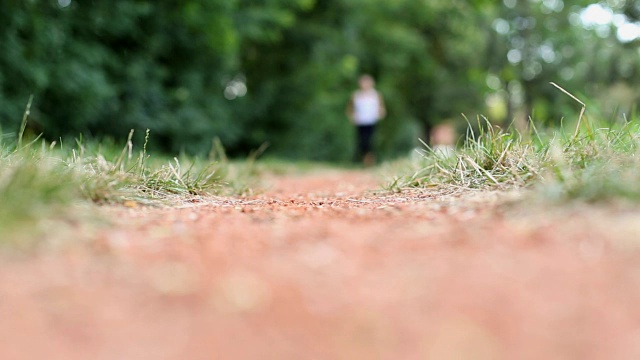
(366, 107)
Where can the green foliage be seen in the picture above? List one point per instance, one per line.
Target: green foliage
(251, 72)
(102, 69)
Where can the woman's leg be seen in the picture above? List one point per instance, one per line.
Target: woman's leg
(365, 142)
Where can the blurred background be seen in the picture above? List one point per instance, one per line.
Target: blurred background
(250, 71)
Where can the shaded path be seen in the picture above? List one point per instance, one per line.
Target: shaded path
(319, 267)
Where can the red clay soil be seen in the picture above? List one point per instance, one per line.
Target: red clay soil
(319, 267)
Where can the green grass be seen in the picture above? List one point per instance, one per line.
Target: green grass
(42, 181)
(596, 162)
(600, 163)
(128, 176)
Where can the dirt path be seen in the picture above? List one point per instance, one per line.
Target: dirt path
(319, 267)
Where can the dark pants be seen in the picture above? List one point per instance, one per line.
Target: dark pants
(365, 140)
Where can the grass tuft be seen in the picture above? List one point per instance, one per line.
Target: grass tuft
(596, 163)
(40, 180)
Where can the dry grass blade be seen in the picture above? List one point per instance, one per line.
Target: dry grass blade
(584, 107)
(25, 118)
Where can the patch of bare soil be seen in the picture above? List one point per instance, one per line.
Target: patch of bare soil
(320, 267)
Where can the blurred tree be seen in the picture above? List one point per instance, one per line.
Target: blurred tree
(540, 41)
(250, 71)
(424, 55)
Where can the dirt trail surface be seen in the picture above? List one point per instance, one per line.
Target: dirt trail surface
(320, 267)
